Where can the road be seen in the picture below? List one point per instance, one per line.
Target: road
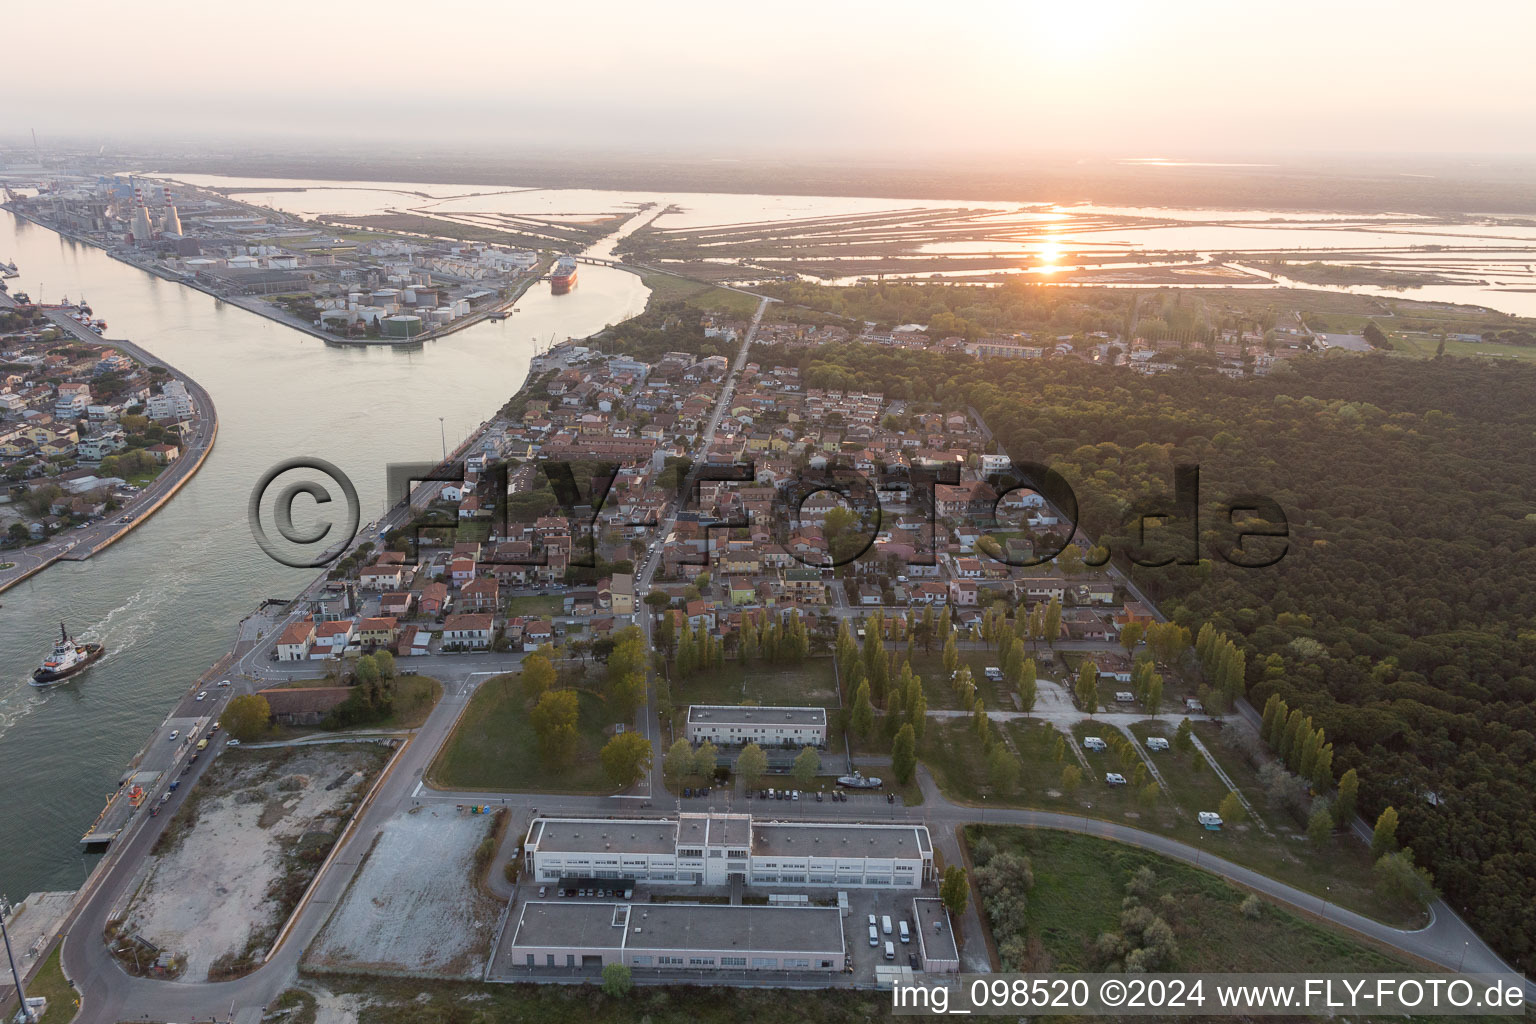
(646, 572)
(110, 995)
(79, 544)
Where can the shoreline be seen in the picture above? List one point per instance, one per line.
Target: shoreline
(253, 304)
(177, 473)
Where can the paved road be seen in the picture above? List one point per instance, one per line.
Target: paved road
(110, 995)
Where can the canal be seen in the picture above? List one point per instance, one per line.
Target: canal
(166, 600)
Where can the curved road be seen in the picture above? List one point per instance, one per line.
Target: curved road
(110, 995)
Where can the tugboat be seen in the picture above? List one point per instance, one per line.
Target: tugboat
(68, 658)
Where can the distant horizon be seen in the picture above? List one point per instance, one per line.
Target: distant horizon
(1000, 76)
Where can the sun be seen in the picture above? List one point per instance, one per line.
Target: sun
(1048, 255)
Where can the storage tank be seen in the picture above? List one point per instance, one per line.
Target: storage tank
(405, 325)
(442, 315)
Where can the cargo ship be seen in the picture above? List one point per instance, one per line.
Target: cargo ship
(68, 658)
(562, 277)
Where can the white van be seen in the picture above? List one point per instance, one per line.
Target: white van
(905, 935)
(874, 936)
(890, 951)
(885, 924)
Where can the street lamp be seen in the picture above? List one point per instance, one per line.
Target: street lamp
(443, 430)
(21, 995)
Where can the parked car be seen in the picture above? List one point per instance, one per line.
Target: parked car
(1114, 778)
(543, 890)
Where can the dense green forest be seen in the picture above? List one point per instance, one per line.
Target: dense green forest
(1401, 618)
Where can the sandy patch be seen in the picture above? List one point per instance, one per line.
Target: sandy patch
(415, 905)
(259, 828)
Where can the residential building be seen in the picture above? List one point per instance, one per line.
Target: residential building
(468, 631)
(737, 726)
(293, 645)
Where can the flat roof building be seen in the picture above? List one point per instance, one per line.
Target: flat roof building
(935, 936)
(676, 936)
(717, 849)
(766, 726)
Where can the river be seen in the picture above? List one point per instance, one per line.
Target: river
(167, 599)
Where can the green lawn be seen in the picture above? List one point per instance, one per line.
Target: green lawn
(420, 1001)
(808, 684)
(494, 748)
(1080, 882)
(941, 695)
(1420, 347)
(545, 605)
(51, 984)
(671, 288)
(1340, 871)
(415, 697)
(1191, 783)
(957, 761)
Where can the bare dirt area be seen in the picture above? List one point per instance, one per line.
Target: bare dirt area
(416, 906)
(242, 849)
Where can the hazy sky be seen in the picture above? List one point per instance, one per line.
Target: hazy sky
(1157, 79)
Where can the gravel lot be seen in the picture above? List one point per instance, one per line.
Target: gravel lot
(217, 887)
(415, 906)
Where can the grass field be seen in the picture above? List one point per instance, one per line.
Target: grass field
(415, 697)
(1080, 882)
(432, 1002)
(808, 684)
(536, 604)
(1339, 871)
(51, 984)
(995, 696)
(1422, 347)
(494, 748)
(671, 288)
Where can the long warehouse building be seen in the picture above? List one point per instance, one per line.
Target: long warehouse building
(717, 849)
(677, 936)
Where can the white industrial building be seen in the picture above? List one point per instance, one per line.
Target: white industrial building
(717, 849)
(729, 725)
(676, 936)
(935, 936)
